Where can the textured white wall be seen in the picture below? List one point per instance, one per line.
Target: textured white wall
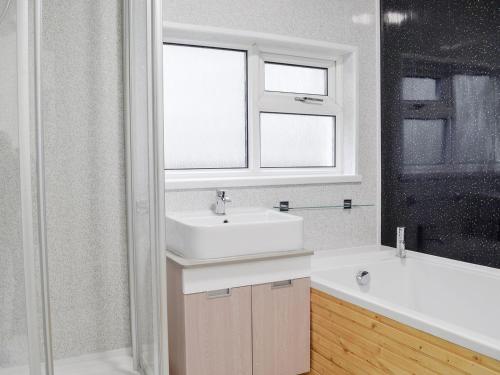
(341, 21)
(83, 118)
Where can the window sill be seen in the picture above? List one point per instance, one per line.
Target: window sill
(206, 182)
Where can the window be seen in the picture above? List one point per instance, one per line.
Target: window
(244, 110)
(205, 107)
(291, 140)
(295, 79)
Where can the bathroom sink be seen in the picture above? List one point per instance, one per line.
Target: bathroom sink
(205, 235)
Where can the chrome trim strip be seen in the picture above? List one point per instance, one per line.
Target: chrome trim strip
(160, 274)
(127, 36)
(42, 219)
(23, 111)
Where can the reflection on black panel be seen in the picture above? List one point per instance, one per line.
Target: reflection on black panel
(423, 142)
(420, 88)
(441, 127)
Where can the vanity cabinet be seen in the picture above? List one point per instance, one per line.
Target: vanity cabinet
(250, 330)
(280, 326)
(218, 332)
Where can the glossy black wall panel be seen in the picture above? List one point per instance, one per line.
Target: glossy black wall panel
(441, 128)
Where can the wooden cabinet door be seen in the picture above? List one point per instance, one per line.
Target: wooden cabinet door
(218, 332)
(281, 326)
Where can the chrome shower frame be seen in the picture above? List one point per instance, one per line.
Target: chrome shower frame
(24, 111)
(155, 205)
(29, 111)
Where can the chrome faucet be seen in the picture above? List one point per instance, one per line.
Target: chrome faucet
(220, 202)
(400, 242)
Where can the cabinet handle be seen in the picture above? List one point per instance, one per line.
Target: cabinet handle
(219, 293)
(281, 284)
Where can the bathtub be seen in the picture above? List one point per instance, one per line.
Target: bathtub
(453, 300)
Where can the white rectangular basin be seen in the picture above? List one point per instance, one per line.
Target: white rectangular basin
(205, 235)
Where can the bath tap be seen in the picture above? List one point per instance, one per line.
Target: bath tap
(220, 202)
(400, 242)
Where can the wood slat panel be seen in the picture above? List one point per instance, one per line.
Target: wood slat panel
(448, 346)
(343, 358)
(314, 372)
(325, 367)
(387, 362)
(360, 341)
(388, 349)
(367, 364)
(342, 308)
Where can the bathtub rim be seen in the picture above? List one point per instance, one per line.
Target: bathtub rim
(347, 257)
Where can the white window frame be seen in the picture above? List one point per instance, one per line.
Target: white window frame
(341, 102)
(284, 102)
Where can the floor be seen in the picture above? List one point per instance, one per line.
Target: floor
(110, 363)
(116, 365)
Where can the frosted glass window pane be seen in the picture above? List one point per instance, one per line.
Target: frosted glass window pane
(296, 79)
(420, 89)
(424, 142)
(289, 140)
(205, 107)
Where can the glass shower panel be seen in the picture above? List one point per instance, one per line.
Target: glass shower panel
(84, 184)
(140, 247)
(14, 341)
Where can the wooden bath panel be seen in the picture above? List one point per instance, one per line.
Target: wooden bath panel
(348, 339)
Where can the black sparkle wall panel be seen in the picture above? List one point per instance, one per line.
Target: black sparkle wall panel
(441, 128)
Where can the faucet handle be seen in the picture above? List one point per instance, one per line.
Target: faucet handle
(221, 194)
(220, 202)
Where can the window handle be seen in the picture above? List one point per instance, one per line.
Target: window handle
(306, 99)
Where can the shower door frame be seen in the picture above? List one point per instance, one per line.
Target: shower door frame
(156, 205)
(28, 242)
(24, 110)
(29, 102)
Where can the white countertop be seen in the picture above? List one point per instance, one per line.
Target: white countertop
(203, 275)
(191, 263)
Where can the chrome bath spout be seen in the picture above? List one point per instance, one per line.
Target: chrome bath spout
(400, 242)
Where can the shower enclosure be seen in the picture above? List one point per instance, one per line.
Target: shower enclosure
(23, 307)
(61, 296)
(145, 184)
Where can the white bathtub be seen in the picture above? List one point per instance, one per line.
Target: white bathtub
(456, 301)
